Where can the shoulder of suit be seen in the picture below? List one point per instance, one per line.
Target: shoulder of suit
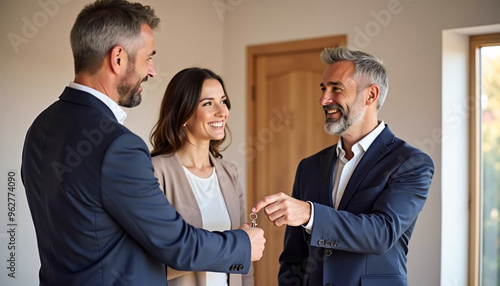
(225, 168)
(222, 161)
(163, 159)
(327, 151)
(231, 167)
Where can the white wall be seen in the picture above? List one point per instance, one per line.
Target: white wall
(197, 32)
(454, 172)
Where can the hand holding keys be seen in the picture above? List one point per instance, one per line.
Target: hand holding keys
(256, 236)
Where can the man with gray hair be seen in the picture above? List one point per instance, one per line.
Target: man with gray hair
(99, 213)
(354, 205)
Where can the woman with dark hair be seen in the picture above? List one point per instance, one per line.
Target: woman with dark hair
(202, 187)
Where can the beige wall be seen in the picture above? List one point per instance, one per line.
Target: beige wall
(197, 32)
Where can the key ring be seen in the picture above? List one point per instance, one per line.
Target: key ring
(253, 218)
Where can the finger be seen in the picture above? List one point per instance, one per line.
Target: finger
(259, 205)
(280, 221)
(283, 204)
(264, 202)
(276, 215)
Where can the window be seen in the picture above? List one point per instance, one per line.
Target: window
(485, 160)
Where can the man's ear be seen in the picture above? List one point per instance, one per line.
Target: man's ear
(118, 59)
(373, 92)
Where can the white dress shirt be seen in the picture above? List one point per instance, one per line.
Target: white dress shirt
(214, 213)
(119, 113)
(344, 167)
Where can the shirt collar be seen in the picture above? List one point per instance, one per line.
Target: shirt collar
(365, 142)
(119, 113)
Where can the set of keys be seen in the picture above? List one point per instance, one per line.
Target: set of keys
(253, 218)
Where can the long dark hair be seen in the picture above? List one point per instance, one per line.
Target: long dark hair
(178, 105)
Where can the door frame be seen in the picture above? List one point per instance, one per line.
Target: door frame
(255, 51)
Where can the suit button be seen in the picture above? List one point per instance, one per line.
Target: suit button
(232, 267)
(328, 243)
(328, 252)
(335, 244)
(240, 267)
(321, 242)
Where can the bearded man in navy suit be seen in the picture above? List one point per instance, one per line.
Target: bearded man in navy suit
(354, 205)
(99, 214)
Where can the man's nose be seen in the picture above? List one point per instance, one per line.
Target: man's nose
(152, 69)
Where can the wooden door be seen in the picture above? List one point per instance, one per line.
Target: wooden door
(285, 124)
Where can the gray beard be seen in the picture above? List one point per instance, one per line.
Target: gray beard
(346, 120)
(331, 127)
(132, 100)
(129, 97)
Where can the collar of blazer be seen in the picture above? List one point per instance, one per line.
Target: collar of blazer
(377, 150)
(81, 97)
(227, 181)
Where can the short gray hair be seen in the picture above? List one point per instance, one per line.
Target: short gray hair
(104, 24)
(367, 68)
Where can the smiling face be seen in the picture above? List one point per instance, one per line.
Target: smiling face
(341, 101)
(209, 120)
(139, 69)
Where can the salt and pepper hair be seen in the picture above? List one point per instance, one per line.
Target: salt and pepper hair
(104, 24)
(368, 69)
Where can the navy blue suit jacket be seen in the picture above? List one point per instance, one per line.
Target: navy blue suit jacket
(99, 214)
(365, 241)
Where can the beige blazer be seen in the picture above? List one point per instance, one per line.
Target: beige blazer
(175, 185)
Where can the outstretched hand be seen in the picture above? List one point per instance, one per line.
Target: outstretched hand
(282, 209)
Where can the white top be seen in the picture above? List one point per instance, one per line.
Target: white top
(344, 168)
(119, 113)
(213, 210)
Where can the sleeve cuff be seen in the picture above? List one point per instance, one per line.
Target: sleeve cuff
(308, 226)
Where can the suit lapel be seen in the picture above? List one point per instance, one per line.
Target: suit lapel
(185, 200)
(377, 150)
(327, 169)
(228, 193)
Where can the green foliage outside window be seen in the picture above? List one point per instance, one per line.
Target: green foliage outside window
(490, 144)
